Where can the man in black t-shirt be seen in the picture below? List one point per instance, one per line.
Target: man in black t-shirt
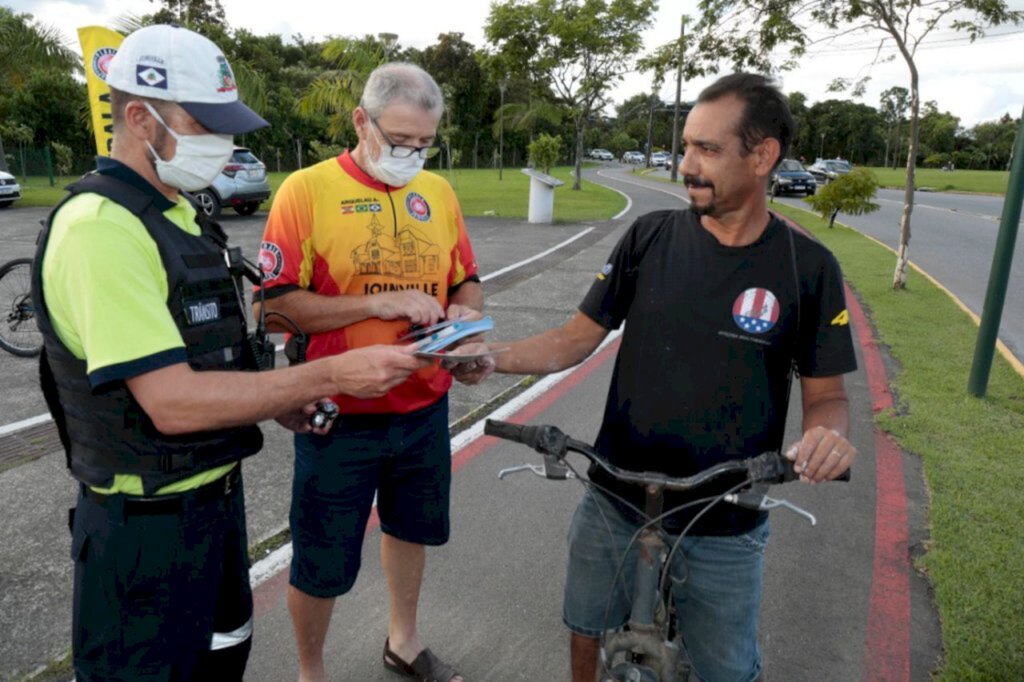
(722, 300)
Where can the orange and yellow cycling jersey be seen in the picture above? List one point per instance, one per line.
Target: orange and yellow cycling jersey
(335, 230)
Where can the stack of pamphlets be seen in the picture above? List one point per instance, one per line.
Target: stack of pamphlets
(436, 340)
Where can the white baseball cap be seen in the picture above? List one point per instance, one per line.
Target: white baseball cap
(181, 66)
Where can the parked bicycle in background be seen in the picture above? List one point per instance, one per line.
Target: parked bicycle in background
(18, 332)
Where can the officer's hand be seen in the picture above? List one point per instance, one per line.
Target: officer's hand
(821, 455)
(298, 420)
(411, 304)
(373, 371)
(474, 372)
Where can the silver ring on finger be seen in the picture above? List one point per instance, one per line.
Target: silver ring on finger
(836, 453)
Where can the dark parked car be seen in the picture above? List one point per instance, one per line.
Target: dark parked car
(790, 178)
(827, 170)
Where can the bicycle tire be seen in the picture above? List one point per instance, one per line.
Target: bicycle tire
(19, 334)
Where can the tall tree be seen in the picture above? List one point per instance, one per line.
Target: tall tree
(895, 101)
(938, 131)
(725, 33)
(202, 15)
(995, 140)
(581, 47)
(455, 65)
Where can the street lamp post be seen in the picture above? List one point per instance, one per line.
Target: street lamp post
(501, 130)
(679, 95)
(389, 40)
(821, 148)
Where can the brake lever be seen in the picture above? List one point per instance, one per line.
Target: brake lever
(553, 469)
(758, 500)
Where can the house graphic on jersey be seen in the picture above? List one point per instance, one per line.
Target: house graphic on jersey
(408, 254)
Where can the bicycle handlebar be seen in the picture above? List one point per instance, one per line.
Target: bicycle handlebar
(768, 467)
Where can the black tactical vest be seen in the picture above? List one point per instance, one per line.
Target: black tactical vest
(105, 431)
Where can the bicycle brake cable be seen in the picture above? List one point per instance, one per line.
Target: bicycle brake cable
(662, 584)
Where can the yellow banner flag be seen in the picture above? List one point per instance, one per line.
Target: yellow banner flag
(99, 45)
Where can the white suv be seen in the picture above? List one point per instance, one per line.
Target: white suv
(242, 185)
(10, 190)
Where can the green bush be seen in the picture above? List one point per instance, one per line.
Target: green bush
(851, 193)
(544, 151)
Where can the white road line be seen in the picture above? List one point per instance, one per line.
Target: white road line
(954, 211)
(280, 558)
(24, 424)
(521, 263)
(629, 202)
(32, 421)
(645, 186)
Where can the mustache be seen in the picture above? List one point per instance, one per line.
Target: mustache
(697, 181)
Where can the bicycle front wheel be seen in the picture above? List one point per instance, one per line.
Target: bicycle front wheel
(18, 331)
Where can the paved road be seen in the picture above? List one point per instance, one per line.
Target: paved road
(491, 600)
(953, 238)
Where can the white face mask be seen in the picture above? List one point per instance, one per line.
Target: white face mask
(390, 170)
(197, 161)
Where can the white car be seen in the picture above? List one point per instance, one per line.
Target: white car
(10, 190)
(633, 157)
(242, 185)
(602, 155)
(658, 158)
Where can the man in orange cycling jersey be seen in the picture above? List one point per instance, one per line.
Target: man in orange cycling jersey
(359, 249)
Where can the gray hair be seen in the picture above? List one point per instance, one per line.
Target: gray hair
(400, 81)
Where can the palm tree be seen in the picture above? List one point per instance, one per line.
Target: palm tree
(336, 92)
(26, 46)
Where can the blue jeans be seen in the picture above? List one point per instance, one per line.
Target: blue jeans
(717, 591)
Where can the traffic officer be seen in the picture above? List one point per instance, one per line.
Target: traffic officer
(145, 343)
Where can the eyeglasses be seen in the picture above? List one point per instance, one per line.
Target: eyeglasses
(401, 151)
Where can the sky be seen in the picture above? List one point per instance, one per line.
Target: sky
(975, 82)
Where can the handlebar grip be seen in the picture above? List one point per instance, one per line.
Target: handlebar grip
(548, 440)
(504, 430)
(773, 467)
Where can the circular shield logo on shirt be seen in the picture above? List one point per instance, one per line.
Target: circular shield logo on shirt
(271, 260)
(101, 61)
(756, 310)
(417, 206)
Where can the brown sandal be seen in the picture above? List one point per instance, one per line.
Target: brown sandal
(425, 668)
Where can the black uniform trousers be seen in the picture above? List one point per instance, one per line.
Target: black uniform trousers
(161, 587)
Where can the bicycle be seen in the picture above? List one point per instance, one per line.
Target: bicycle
(647, 649)
(18, 332)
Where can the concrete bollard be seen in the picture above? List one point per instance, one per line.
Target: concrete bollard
(542, 196)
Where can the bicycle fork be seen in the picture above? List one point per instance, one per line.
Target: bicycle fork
(644, 639)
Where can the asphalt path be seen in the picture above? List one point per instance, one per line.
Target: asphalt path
(491, 599)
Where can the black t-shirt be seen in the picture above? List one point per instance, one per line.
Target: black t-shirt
(702, 375)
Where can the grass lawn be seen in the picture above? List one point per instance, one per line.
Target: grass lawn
(36, 190)
(479, 192)
(972, 454)
(987, 182)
